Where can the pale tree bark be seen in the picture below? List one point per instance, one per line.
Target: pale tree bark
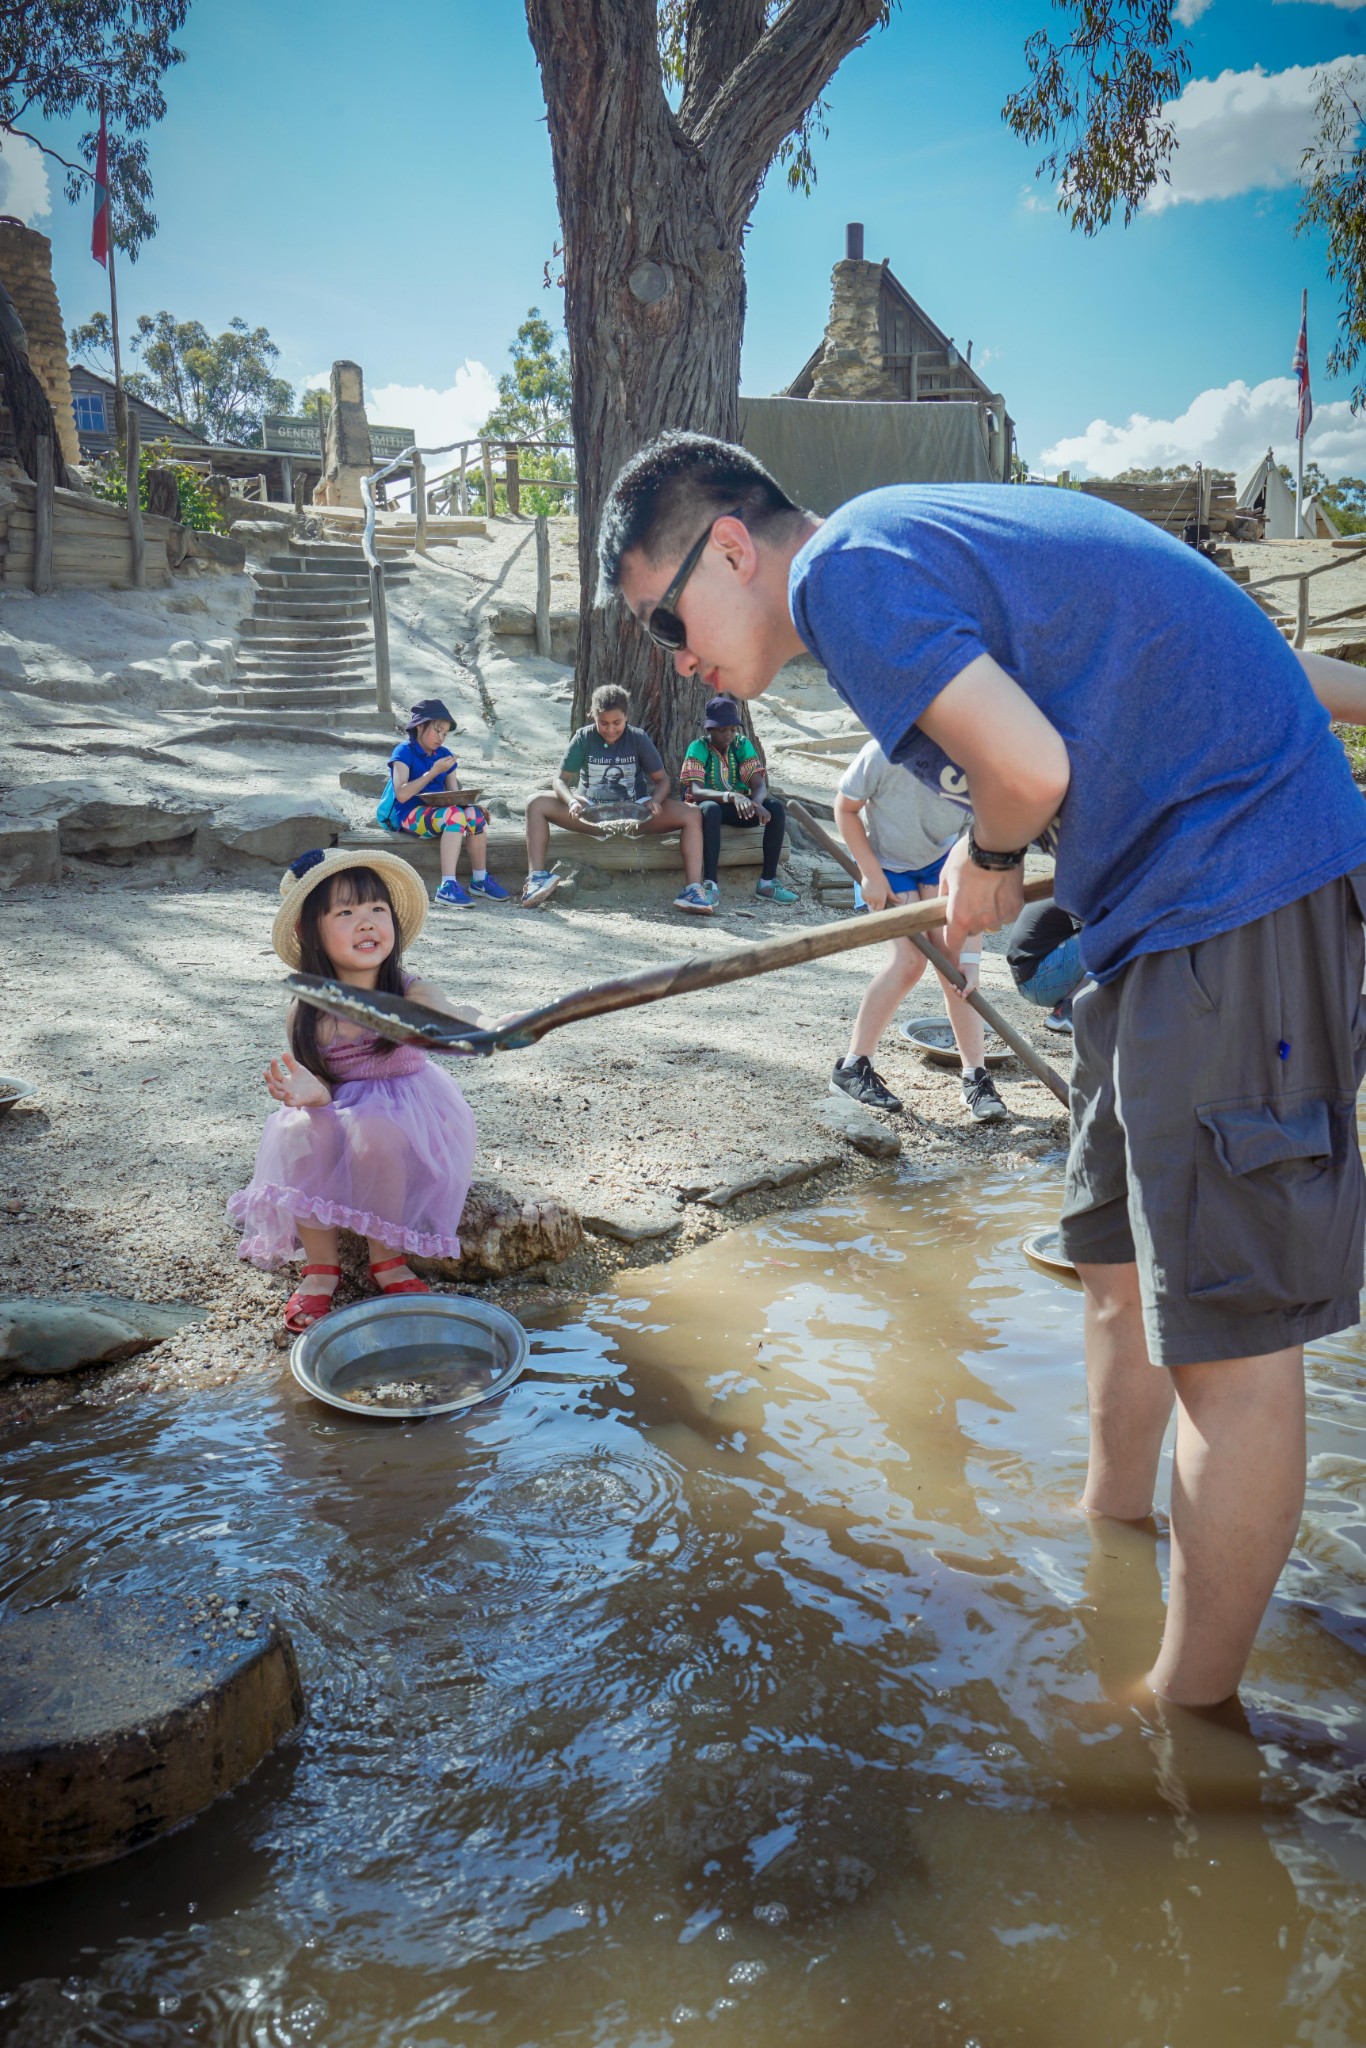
(653, 208)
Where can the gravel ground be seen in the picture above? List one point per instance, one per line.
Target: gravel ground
(144, 1008)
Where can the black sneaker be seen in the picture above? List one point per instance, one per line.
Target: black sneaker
(864, 1085)
(979, 1095)
(1059, 1017)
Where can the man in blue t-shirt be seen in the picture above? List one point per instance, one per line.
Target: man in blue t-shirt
(1104, 691)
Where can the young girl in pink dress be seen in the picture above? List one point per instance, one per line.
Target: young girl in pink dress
(371, 1136)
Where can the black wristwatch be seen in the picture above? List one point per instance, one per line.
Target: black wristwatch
(983, 857)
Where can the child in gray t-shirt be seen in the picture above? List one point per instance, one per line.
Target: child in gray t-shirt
(899, 830)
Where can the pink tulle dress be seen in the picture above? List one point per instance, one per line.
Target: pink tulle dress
(391, 1157)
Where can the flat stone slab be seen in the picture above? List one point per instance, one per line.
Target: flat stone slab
(632, 1225)
(785, 1175)
(59, 1332)
(852, 1123)
(123, 1718)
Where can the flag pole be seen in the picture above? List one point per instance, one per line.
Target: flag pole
(120, 400)
(1301, 423)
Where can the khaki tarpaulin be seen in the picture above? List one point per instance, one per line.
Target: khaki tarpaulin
(824, 451)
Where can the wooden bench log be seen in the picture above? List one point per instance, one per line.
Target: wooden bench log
(657, 854)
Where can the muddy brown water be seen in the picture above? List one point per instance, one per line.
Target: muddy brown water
(743, 1675)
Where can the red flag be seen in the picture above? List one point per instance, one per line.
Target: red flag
(1304, 408)
(99, 232)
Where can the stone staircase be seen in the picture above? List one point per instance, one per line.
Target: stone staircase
(306, 652)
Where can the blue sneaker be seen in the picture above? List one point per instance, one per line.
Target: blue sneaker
(494, 890)
(453, 896)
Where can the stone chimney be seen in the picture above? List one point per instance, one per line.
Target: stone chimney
(851, 356)
(26, 270)
(346, 442)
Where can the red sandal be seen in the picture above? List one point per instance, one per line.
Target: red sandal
(303, 1310)
(408, 1286)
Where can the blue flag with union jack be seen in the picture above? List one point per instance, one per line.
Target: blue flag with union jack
(1304, 409)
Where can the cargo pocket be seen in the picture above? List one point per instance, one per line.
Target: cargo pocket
(1279, 1205)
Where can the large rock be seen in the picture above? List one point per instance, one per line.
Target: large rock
(103, 817)
(57, 1333)
(506, 1230)
(857, 1128)
(30, 853)
(274, 827)
(228, 550)
(123, 1717)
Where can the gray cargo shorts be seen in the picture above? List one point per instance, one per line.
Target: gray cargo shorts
(1214, 1136)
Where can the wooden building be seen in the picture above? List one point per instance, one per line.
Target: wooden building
(881, 344)
(92, 398)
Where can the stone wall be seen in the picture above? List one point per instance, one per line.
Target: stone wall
(346, 443)
(851, 359)
(26, 268)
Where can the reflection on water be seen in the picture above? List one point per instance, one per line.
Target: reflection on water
(744, 1673)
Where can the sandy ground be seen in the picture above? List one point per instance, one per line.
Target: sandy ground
(1335, 592)
(145, 1011)
(144, 1000)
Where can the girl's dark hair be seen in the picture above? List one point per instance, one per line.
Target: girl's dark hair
(349, 885)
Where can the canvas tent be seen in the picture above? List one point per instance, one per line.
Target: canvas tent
(824, 451)
(1264, 490)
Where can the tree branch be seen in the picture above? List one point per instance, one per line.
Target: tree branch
(718, 36)
(769, 92)
(596, 47)
(80, 170)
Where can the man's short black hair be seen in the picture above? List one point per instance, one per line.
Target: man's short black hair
(664, 496)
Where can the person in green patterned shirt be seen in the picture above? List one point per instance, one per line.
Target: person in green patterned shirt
(723, 774)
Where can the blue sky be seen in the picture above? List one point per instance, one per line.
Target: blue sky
(375, 183)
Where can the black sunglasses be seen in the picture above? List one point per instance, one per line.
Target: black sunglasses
(664, 626)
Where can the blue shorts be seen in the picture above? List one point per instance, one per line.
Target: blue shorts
(905, 881)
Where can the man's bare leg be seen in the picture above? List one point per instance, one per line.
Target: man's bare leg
(1237, 1494)
(1129, 1399)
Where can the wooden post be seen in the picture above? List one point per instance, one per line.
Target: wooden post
(137, 546)
(512, 463)
(379, 615)
(463, 501)
(543, 586)
(1301, 611)
(488, 478)
(420, 502)
(42, 528)
(263, 488)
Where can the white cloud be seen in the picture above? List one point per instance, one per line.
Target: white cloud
(24, 190)
(437, 417)
(1189, 11)
(1244, 131)
(1315, 3)
(1226, 428)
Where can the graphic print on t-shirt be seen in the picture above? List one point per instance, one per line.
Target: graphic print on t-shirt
(609, 778)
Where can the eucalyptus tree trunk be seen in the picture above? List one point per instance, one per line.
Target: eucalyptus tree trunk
(653, 208)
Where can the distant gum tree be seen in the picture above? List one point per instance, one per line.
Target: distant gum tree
(1334, 177)
(665, 117)
(534, 406)
(56, 59)
(220, 386)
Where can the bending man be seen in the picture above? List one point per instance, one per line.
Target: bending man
(1110, 694)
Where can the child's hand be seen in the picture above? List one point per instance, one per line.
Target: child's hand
(877, 890)
(293, 1085)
